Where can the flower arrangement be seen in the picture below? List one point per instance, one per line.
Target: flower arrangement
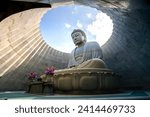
(49, 70)
(32, 75)
(48, 73)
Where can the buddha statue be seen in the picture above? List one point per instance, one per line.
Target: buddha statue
(86, 54)
(86, 72)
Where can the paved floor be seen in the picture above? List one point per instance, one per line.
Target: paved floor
(125, 95)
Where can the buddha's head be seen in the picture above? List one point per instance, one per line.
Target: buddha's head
(78, 37)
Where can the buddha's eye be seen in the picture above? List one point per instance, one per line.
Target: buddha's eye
(73, 36)
(77, 35)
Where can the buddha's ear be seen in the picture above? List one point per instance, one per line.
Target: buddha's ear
(83, 38)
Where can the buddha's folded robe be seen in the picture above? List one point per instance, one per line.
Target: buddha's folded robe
(89, 51)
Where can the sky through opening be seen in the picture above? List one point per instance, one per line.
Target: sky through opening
(58, 23)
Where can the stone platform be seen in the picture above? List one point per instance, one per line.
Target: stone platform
(85, 81)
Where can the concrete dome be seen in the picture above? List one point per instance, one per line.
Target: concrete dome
(22, 48)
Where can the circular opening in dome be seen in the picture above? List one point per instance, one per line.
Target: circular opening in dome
(58, 23)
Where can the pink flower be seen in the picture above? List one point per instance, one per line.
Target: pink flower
(32, 75)
(49, 70)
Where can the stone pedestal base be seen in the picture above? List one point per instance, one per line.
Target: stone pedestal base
(85, 81)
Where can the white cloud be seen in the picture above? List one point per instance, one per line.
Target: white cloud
(89, 15)
(75, 10)
(101, 28)
(79, 25)
(67, 25)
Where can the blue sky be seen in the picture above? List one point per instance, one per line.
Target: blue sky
(58, 23)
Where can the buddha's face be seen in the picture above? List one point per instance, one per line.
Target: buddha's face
(77, 38)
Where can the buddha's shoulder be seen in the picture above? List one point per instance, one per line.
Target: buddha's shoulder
(92, 44)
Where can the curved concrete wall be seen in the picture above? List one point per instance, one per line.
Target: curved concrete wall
(22, 49)
(127, 52)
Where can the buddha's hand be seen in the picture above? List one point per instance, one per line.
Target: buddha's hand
(73, 66)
